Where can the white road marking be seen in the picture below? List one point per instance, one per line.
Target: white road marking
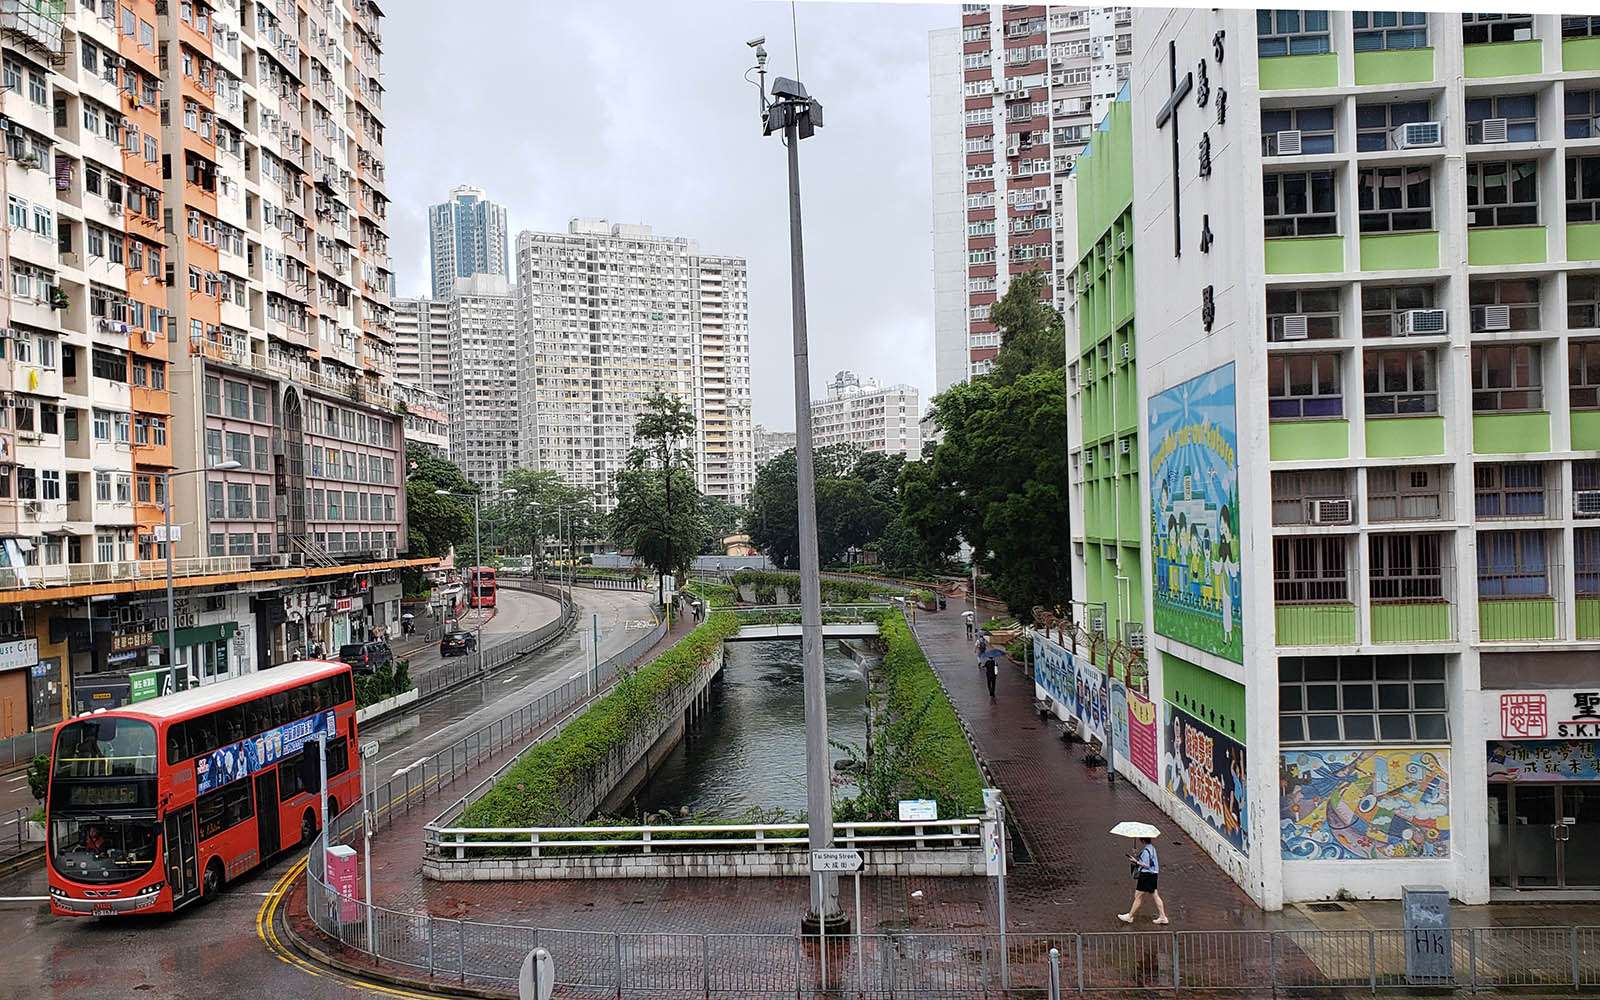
(19, 779)
(9, 821)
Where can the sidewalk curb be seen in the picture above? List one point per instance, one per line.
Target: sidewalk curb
(21, 862)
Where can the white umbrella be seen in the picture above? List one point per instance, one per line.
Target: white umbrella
(1127, 828)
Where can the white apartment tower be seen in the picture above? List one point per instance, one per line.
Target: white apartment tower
(1015, 92)
(482, 411)
(422, 344)
(610, 313)
(869, 417)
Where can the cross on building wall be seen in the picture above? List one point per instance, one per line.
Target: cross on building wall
(1169, 114)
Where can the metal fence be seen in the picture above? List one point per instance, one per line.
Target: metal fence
(18, 750)
(909, 964)
(502, 653)
(411, 786)
(14, 840)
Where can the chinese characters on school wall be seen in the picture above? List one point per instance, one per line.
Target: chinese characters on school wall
(1559, 715)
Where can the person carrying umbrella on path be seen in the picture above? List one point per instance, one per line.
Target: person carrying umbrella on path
(989, 663)
(1146, 869)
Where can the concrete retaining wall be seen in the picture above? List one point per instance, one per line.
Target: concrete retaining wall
(953, 862)
(387, 705)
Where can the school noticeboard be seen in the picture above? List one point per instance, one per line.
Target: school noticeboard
(1071, 682)
(1194, 514)
(1206, 772)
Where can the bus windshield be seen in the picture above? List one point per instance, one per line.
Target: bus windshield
(106, 747)
(102, 849)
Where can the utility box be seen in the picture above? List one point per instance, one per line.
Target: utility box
(343, 881)
(1427, 936)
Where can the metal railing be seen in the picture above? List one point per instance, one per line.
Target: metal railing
(501, 653)
(17, 578)
(438, 950)
(580, 841)
(17, 750)
(14, 840)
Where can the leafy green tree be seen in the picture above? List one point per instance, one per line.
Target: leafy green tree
(533, 511)
(658, 508)
(998, 480)
(722, 518)
(851, 511)
(437, 522)
(1032, 333)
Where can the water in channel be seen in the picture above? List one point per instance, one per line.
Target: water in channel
(750, 751)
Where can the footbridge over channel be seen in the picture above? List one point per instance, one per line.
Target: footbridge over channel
(836, 630)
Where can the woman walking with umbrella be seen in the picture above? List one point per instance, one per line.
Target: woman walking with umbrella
(1146, 869)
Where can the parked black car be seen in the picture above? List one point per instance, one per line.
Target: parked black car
(366, 657)
(457, 644)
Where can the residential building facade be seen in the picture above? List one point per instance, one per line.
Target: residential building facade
(1014, 93)
(771, 444)
(483, 420)
(197, 273)
(422, 343)
(426, 417)
(868, 417)
(1347, 338)
(611, 313)
(467, 235)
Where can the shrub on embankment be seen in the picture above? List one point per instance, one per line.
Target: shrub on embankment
(534, 791)
(921, 750)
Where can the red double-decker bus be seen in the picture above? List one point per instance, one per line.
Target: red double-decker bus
(480, 587)
(153, 806)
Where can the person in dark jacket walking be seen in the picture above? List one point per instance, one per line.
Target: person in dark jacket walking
(989, 672)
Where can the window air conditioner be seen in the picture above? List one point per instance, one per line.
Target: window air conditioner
(1330, 511)
(1097, 624)
(1417, 135)
(1127, 352)
(30, 507)
(1122, 241)
(1494, 130)
(1124, 446)
(1288, 143)
(1497, 317)
(1420, 322)
(1586, 503)
(1293, 328)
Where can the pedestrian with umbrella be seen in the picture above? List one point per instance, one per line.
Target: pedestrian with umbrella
(1146, 867)
(989, 660)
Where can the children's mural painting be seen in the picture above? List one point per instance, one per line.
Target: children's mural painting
(1194, 514)
(1206, 772)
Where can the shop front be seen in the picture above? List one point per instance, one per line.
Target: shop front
(17, 658)
(1544, 792)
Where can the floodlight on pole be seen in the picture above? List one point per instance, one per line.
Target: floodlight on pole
(795, 114)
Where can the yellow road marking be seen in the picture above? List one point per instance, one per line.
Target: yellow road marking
(269, 937)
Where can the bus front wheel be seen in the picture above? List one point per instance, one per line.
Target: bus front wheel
(214, 878)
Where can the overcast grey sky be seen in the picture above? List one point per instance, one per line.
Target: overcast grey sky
(638, 112)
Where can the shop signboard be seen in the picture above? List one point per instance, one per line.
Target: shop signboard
(19, 654)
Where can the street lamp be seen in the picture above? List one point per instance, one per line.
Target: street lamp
(166, 509)
(793, 112)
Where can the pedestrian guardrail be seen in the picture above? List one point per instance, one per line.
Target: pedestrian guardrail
(469, 842)
(14, 840)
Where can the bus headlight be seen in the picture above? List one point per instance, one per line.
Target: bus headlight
(58, 893)
(151, 890)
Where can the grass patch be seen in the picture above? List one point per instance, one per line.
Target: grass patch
(920, 750)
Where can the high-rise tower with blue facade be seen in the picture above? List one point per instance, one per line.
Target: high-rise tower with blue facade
(467, 236)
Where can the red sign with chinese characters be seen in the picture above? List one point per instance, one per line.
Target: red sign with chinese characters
(1550, 715)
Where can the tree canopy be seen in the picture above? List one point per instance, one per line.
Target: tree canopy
(437, 522)
(858, 501)
(1032, 333)
(658, 513)
(998, 481)
(534, 506)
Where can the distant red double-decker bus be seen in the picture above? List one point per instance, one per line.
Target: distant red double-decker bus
(153, 806)
(480, 587)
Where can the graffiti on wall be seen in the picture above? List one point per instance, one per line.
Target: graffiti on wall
(1206, 772)
(1364, 805)
(1194, 514)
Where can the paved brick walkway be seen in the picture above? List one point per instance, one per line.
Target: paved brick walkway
(1071, 874)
